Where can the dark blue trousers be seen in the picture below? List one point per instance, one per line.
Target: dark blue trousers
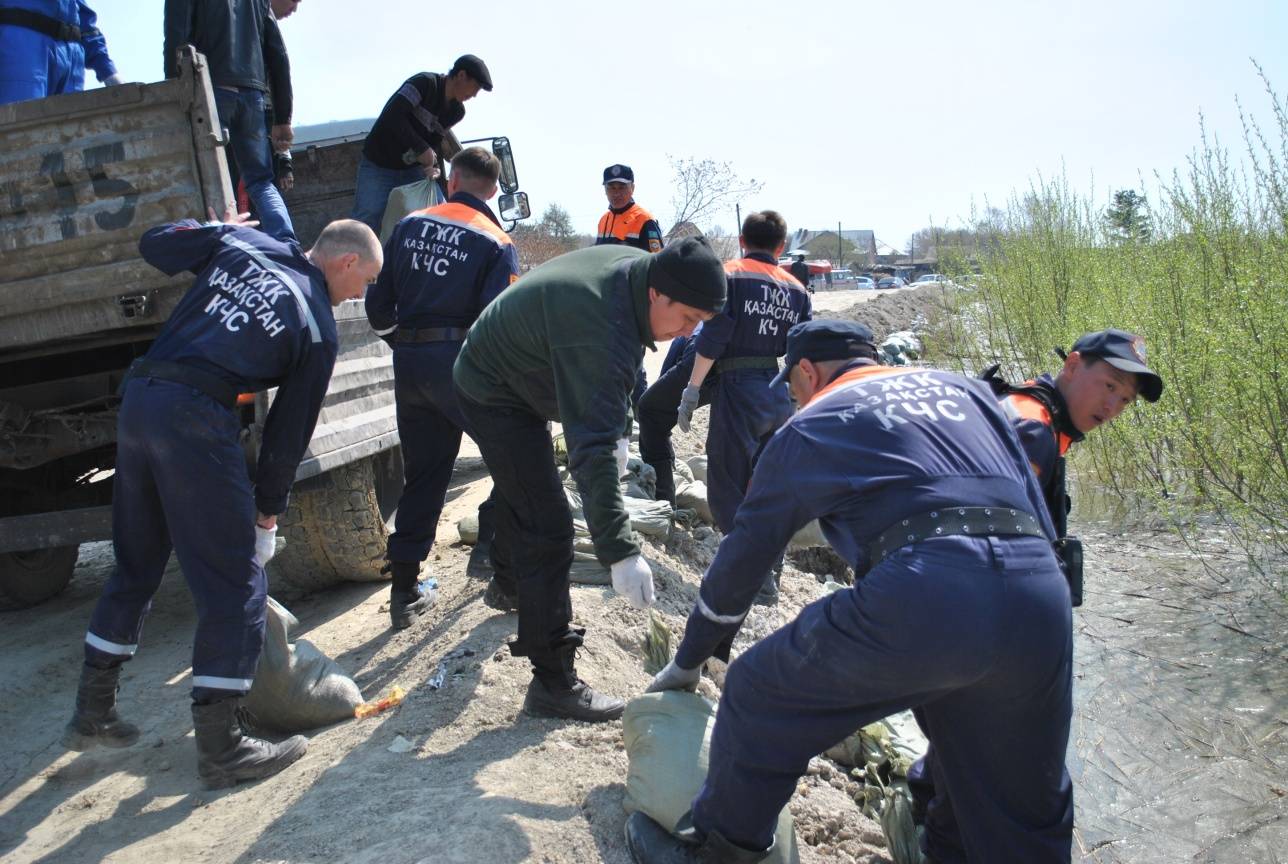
(745, 414)
(181, 482)
(430, 425)
(657, 415)
(973, 631)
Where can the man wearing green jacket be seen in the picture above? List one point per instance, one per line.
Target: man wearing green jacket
(562, 344)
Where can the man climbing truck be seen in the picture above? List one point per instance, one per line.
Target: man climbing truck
(85, 175)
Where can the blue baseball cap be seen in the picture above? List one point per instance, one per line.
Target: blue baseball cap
(826, 339)
(618, 174)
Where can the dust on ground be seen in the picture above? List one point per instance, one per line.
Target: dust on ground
(1178, 749)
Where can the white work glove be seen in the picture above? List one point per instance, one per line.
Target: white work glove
(688, 404)
(675, 678)
(633, 579)
(622, 452)
(113, 80)
(265, 544)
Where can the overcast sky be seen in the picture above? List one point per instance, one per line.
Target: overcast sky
(889, 116)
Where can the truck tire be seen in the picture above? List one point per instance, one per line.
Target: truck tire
(336, 526)
(28, 578)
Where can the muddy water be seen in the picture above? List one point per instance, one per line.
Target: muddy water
(1179, 747)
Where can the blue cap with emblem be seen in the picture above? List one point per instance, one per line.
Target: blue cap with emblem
(618, 174)
(826, 339)
(1125, 351)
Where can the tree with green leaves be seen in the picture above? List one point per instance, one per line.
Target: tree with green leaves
(1127, 219)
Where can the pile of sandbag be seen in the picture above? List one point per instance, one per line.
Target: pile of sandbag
(668, 736)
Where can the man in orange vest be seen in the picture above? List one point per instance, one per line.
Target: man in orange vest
(627, 223)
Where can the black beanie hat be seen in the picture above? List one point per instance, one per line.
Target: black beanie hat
(689, 272)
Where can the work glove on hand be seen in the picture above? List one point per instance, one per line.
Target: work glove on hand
(675, 678)
(633, 579)
(113, 80)
(265, 544)
(622, 452)
(688, 404)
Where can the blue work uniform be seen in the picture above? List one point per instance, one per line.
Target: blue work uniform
(442, 266)
(746, 339)
(258, 316)
(47, 46)
(973, 629)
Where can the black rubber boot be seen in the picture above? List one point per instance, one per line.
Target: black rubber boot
(479, 565)
(556, 691)
(768, 593)
(95, 721)
(407, 597)
(496, 597)
(226, 756)
(650, 843)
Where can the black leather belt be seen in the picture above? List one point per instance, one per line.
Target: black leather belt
(431, 334)
(212, 385)
(51, 27)
(947, 521)
(734, 363)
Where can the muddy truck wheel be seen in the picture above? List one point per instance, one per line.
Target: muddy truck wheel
(336, 527)
(27, 578)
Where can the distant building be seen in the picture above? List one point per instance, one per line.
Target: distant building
(863, 241)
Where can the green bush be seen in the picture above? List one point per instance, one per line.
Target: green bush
(1205, 282)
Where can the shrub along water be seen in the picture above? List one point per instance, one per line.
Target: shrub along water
(1201, 271)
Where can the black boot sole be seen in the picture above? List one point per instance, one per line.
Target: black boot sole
(228, 779)
(75, 739)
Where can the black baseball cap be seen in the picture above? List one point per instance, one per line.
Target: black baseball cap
(1125, 351)
(475, 68)
(825, 339)
(618, 174)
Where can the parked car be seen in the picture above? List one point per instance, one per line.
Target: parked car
(931, 277)
(864, 283)
(892, 282)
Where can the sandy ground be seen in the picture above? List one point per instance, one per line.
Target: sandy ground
(1179, 739)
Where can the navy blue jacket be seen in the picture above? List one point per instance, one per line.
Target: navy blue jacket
(414, 120)
(443, 265)
(258, 316)
(877, 445)
(764, 301)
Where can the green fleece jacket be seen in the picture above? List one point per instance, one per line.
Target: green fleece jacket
(564, 342)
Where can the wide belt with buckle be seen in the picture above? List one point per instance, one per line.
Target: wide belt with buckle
(947, 521)
(734, 363)
(212, 385)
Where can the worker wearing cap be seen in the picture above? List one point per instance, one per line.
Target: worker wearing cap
(1102, 375)
(407, 138)
(742, 345)
(443, 266)
(627, 223)
(562, 344)
(258, 316)
(800, 270)
(919, 482)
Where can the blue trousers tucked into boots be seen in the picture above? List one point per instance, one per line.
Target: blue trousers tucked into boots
(745, 413)
(973, 631)
(181, 483)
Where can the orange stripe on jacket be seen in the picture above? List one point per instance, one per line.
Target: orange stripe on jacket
(759, 269)
(467, 217)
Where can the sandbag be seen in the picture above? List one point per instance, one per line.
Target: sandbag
(406, 199)
(697, 467)
(668, 736)
(296, 686)
(808, 537)
(693, 496)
